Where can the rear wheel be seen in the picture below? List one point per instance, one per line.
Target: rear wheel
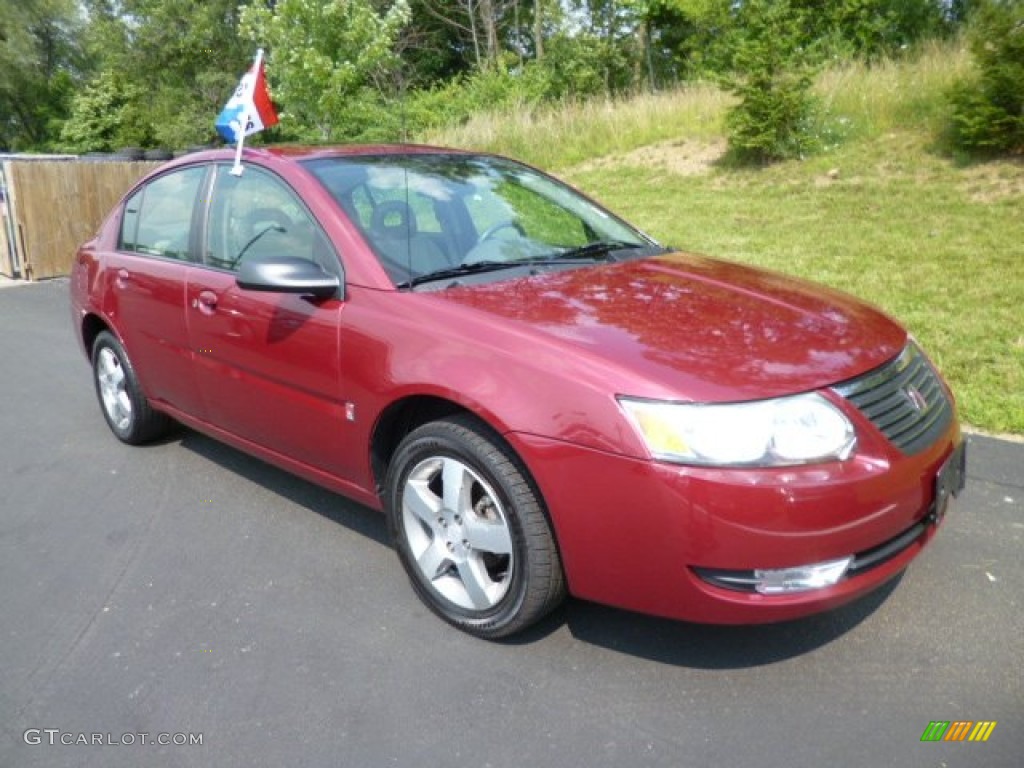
(470, 529)
(125, 408)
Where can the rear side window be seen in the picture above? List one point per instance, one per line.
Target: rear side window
(157, 219)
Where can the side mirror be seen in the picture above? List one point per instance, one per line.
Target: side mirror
(287, 274)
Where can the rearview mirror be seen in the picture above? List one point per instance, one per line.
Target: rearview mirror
(287, 274)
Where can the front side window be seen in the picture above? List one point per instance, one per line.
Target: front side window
(257, 216)
(157, 219)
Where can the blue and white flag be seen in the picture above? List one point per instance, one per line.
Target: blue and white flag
(248, 111)
(250, 106)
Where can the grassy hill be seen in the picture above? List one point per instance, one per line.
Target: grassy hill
(883, 212)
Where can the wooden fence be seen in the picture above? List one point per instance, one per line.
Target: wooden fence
(55, 205)
(6, 254)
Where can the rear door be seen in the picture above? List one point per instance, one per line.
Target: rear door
(145, 295)
(267, 363)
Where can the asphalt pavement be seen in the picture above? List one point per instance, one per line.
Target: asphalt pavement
(185, 592)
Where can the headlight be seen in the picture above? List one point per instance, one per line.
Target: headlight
(766, 433)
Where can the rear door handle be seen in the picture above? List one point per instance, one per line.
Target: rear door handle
(122, 278)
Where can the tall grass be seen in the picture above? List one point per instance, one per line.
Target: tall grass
(908, 93)
(859, 100)
(561, 136)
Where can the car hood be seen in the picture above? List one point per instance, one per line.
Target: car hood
(694, 328)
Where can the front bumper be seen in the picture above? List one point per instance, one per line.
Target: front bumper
(645, 535)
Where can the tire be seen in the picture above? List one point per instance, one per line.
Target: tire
(159, 155)
(129, 153)
(481, 553)
(125, 408)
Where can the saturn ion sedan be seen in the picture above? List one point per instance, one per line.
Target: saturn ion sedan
(540, 398)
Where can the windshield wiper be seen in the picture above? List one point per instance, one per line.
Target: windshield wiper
(473, 268)
(595, 251)
(598, 249)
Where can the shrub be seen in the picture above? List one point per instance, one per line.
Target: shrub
(773, 119)
(988, 109)
(503, 88)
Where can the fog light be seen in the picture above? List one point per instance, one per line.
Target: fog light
(800, 578)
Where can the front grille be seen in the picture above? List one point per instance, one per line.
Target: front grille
(904, 398)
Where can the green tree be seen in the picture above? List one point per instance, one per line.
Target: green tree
(106, 116)
(871, 28)
(164, 68)
(609, 41)
(188, 57)
(431, 48)
(772, 78)
(988, 109)
(689, 38)
(327, 58)
(40, 62)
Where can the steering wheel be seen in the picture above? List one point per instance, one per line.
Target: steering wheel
(257, 220)
(494, 229)
(393, 218)
(258, 223)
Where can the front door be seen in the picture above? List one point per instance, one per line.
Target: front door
(267, 363)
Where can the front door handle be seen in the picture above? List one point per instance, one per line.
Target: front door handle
(205, 302)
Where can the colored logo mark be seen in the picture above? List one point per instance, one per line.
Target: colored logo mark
(958, 730)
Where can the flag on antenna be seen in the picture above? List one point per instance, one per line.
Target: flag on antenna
(248, 111)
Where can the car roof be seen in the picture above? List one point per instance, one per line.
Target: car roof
(346, 150)
(293, 154)
(304, 152)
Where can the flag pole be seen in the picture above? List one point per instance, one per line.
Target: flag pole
(245, 117)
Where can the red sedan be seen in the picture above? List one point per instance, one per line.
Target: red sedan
(539, 397)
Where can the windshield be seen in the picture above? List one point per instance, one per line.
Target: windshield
(442, 214)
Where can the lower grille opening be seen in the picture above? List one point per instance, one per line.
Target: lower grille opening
(747, 580)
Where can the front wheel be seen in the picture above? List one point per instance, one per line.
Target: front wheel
(124, 406)
(470, 529)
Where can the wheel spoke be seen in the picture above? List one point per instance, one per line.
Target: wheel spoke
(105, 362)
(116, 374)
(420, 500)
(457, 484)
(476, 582)
(486, 536)
(433, 560)
(111, 377)
(105, 376)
